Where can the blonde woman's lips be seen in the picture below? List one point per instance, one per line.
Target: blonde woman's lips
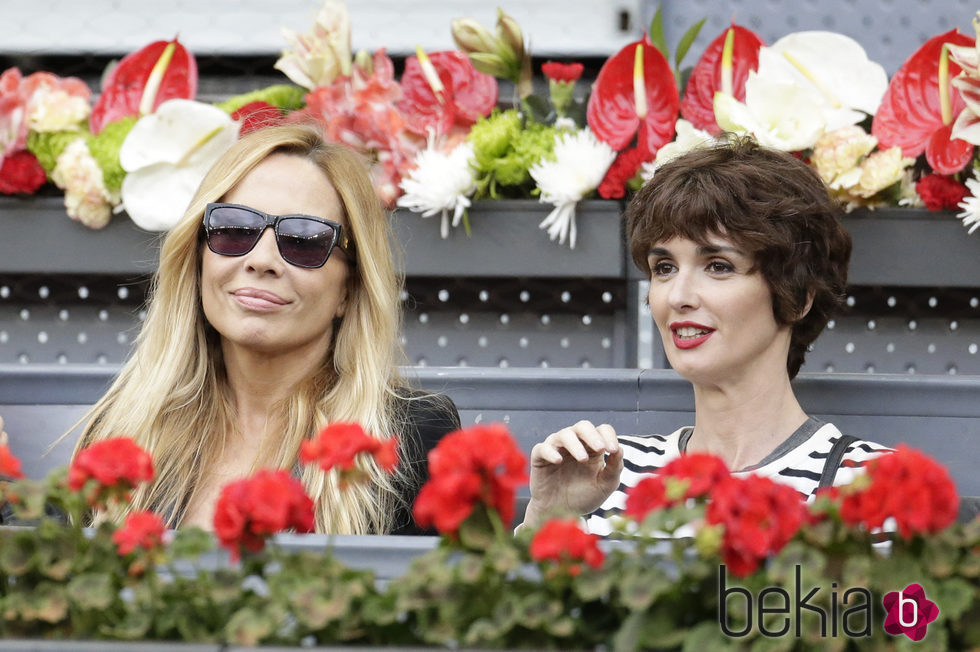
(258, 300)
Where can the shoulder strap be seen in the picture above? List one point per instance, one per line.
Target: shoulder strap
(834, 459)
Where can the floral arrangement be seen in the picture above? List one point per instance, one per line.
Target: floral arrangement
(440, 137)
(689, 567)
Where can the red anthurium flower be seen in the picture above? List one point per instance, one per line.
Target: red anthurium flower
(465, 95)
(117, 465)
(9, 465)
(563, 541)
(617, 113)
(562, 72)
(612, 112)
(122, 91)
(697, 107)
(911, 112)
(20, 173)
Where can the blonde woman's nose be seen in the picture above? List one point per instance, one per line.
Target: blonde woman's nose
(264, 256)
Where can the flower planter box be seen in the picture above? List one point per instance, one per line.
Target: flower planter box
(36, 237)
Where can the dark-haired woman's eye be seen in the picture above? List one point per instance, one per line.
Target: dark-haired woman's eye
(720, 267)
(663, 268)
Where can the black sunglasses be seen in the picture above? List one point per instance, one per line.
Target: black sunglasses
(303, 240)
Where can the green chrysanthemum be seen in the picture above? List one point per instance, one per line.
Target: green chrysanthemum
(47, 146)
(105, 150)
(284, 96)
(504, 150)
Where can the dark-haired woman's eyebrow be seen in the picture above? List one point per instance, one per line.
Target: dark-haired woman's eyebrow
(712, 250)
(658, 251)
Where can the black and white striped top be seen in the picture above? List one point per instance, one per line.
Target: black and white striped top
(798, 462)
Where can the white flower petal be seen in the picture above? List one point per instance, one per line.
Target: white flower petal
(836, 64)
(170, 132)
(156, 196)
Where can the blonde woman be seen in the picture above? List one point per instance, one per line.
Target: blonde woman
(274, 311)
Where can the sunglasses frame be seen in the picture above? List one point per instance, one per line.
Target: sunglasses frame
(340, 239)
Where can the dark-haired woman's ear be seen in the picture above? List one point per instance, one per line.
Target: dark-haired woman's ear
(806, 306)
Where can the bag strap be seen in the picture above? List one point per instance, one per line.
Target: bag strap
(834, 458)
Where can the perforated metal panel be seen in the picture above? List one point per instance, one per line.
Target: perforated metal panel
(889, 30)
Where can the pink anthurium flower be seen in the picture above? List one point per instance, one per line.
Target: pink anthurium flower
(446, 92)
(919, 107)
(634, 97)
(707, 77)
(143, 80)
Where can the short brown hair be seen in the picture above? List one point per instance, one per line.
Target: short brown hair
(767, 202)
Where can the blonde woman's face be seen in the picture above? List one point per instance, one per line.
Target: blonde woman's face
(258, 301)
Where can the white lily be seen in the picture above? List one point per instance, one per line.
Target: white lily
(318, 57)
(166, 155)
(580, 163)
(440, 183)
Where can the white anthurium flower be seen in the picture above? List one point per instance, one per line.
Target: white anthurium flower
(166, 155)
(781, 115)
(580, 162)
(440, 183)
(688, 138)
(835, 66)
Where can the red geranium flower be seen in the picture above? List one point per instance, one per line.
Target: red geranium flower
(142, 529)
(469, 467)
(564, 542)
(760, 516)
(251, 510)
(20, 173)
(699, 472)
(907, 485)
(698, 105)
(940, 192)
(340, 444)
(9, 465)
(562, 72)
(116, 465)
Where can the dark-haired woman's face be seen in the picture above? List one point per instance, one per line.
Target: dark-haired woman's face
(259, 301)
(714, 312)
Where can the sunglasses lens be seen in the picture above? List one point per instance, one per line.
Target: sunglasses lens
(305, 242)
(232, 231)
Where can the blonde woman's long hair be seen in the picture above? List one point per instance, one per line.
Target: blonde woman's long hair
(171, 395)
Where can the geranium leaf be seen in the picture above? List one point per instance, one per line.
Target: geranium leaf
(697, 107)
(612, 107)
(910, 111)
(123, 86)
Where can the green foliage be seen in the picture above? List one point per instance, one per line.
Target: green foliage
(505, 148)
(47, 146)
(482, 590)
(285, 96)
(105, 146)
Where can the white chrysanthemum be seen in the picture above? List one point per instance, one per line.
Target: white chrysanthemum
(971, 204)
(580, 163)
(86, 197)
(440, 183)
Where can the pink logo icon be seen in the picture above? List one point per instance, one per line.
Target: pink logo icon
(909, 612)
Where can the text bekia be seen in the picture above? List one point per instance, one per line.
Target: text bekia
(855, 621)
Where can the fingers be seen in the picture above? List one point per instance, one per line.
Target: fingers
(580, 442)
